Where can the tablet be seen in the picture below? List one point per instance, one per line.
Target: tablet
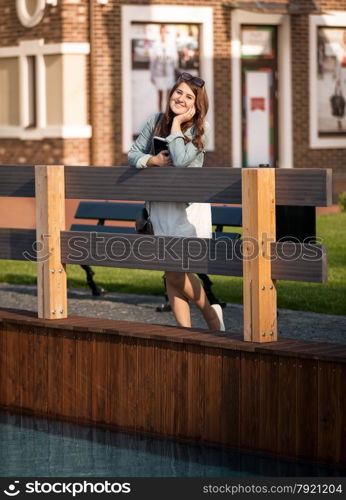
(159, 145)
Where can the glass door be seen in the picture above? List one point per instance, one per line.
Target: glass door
(259, 96)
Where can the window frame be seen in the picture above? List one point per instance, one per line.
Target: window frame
(166, 14)
(38, 49)
(333, 19)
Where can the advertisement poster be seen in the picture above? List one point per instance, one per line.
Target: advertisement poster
(331, 81)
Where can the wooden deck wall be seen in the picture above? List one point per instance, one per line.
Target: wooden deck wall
(287, 398)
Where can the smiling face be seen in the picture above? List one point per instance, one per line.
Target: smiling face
(182, 99)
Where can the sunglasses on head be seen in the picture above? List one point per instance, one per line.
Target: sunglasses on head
(190, 78)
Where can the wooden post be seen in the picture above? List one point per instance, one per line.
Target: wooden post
(50, 220)
(259, 290)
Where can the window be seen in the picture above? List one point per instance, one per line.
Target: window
(328, 80)
(31, 79)
(45, 90)
(189, 47)
(9, 77)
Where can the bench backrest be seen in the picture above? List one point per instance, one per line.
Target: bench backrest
(120, 211)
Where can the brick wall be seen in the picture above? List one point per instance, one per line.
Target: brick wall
(107, 141)
(69, 22)
(304, 157)
(11, 29)
(45, 152)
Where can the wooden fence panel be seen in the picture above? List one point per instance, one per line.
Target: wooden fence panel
(300, 187)
(285, 398)
(69, 376)
(287, 406)
(329, 416)
(249, 401)
(307, 409)
(40, 389)
(230, 400)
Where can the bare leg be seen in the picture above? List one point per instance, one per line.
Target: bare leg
(188, 286)
(180, 305)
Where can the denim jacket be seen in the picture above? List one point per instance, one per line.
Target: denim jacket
(182, 155)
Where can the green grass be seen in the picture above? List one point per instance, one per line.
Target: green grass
(319, 297)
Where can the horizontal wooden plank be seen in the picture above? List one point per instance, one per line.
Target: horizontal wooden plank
(17, 244)
(220, 185)
(108, 330)
(299, 262)
(302, 187)
(17, 180)
(306, 187)
(223, 256)
(291, 261)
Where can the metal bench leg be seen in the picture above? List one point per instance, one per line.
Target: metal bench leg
(166, 306)
(207, 284)
(89, 275)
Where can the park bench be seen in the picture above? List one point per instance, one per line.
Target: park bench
(102, 211)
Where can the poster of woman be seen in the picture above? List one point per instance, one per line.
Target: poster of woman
(159, 53)
(331, 83)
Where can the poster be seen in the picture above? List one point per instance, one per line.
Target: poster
(331, 81)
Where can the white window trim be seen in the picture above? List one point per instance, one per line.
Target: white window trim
(38, 49)
(335, 19)
(239, 17)
(29, 20)
(62, 132)
(166, 14)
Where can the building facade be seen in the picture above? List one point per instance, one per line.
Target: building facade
(79, 77)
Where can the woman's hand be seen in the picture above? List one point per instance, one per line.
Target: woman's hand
(160, 160)
(185, 117)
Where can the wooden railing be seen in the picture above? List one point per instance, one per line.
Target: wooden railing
(258, 258)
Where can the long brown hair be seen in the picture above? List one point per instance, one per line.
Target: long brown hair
(201, 104)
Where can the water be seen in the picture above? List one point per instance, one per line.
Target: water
(38, 447)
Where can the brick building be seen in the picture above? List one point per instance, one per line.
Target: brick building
(75, 78)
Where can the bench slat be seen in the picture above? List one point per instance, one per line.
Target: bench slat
(107, 210)
(96, 210)
(98, 228)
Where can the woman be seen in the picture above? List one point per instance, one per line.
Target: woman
(163, 63)
(184, 128)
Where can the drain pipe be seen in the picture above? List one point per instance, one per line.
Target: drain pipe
(91, 81)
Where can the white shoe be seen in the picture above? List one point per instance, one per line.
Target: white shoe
(218, 309)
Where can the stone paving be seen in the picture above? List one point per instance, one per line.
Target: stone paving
(129, 307)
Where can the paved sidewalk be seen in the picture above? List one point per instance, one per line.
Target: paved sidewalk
(122, 306)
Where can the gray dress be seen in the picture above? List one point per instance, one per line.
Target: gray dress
(173, 218)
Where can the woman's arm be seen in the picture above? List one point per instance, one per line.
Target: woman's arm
(183, 155)
(139, 155)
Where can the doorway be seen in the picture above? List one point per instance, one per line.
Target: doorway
(259, 84)
(261, 40)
